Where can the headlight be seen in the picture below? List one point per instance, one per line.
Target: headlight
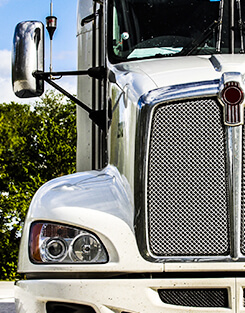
(55, 243)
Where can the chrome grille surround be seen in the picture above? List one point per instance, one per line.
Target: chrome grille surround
(243, 195)
(147, 106)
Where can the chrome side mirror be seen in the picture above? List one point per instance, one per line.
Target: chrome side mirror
(27, 58)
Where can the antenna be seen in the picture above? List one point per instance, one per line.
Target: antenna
(51, 24)
(51, 7)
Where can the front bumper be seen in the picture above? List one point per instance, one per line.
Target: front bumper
(122, 295)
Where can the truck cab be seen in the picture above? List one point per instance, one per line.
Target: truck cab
(153, 220)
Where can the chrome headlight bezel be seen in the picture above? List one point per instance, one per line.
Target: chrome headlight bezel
(55, 243)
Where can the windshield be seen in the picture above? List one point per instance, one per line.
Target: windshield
(167, 28)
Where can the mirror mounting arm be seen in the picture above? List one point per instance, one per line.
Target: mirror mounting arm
(97, 116)
(98, 72)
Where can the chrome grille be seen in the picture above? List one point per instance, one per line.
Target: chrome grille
(195, 297)
(243, 193)
(187, 202)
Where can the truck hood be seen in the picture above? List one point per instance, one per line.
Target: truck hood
(156, 73)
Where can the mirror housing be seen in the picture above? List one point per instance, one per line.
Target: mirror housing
(27, 58)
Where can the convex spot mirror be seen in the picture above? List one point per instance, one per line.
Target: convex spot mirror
(27, 58)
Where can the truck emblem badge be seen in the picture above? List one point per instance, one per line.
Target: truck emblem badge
(232, 99)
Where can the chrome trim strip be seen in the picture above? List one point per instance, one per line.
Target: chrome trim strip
(183, 91)
(234, 163)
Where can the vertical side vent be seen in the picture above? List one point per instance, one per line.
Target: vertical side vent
(187, 198)
(216, 298)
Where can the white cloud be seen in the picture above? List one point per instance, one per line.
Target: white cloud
(69, 84)
(5, 64)
(6, 93)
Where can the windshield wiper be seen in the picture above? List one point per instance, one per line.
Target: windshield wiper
(190, 47)
(221, 14)
(240, 24)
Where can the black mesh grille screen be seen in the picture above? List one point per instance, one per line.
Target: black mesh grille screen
(187, 205)
(195, 297)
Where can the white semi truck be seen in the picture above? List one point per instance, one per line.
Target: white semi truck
(154, 219)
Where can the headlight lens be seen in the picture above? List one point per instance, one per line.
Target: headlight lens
(56, 243)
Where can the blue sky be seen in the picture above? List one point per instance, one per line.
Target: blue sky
(64, 42)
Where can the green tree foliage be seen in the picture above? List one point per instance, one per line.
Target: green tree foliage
(37, 143)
